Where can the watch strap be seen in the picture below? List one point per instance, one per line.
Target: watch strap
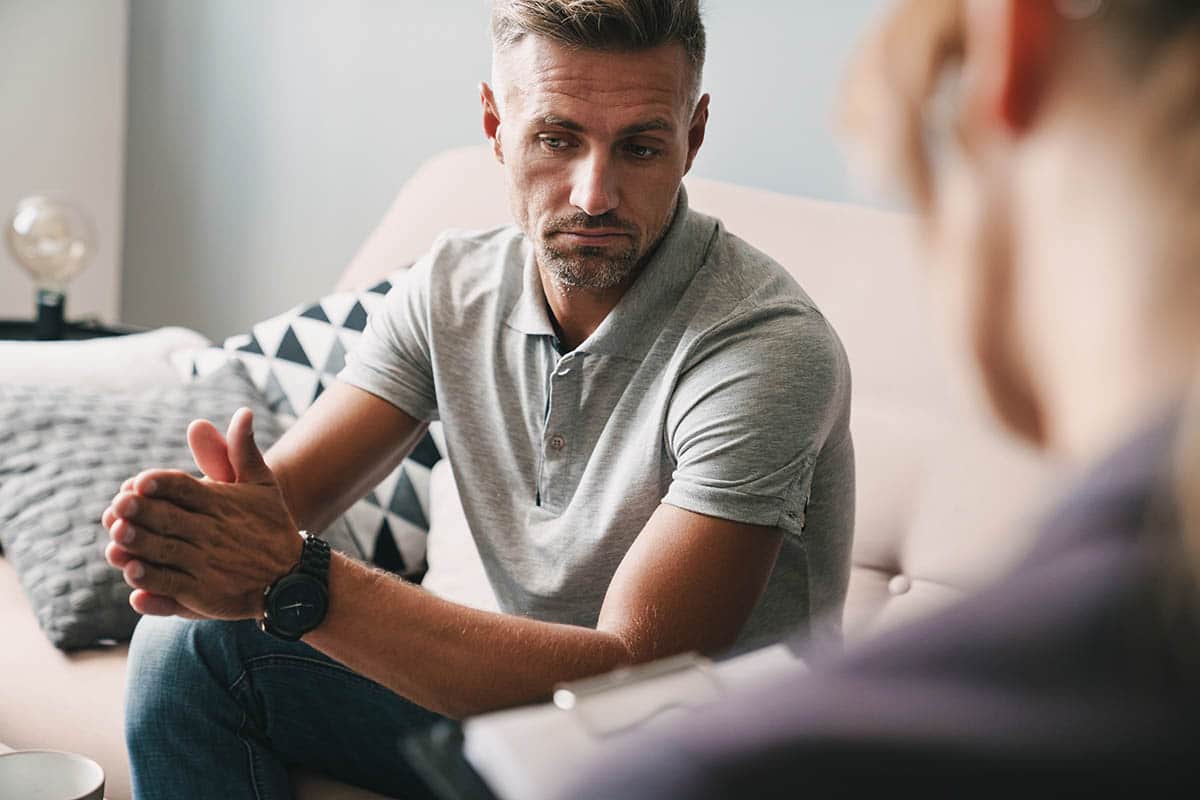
(314, 558)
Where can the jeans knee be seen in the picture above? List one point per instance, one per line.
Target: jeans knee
(174, 663)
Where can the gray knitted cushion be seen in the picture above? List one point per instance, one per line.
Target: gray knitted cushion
(64, 453)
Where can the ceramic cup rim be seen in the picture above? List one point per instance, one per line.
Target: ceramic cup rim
(79, 757)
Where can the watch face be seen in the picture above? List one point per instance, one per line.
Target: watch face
(297, 604)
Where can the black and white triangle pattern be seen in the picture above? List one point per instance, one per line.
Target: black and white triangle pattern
(292, 358)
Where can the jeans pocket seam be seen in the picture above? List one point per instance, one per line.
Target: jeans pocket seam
(252, 757)
(233, 686)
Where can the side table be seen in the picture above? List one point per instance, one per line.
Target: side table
(26, 330)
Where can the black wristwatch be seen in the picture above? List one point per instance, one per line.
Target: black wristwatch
(297, 602)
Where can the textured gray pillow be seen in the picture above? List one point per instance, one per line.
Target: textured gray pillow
(64, 453)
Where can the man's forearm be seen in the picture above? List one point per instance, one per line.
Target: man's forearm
(455, 660)
(338, 451)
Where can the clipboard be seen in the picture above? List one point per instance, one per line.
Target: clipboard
(535, 752)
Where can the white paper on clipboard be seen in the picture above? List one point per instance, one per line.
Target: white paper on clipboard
(534, 752)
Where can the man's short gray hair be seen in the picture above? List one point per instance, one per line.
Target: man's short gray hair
(616, 25)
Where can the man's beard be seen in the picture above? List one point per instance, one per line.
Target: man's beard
(590, 267)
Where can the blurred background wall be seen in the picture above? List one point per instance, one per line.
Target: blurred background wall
(62, 133)
(265, 139)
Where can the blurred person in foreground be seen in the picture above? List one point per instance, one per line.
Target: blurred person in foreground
(1052, 150)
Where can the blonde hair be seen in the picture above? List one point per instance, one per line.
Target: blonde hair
(616, 25)
(893, 94)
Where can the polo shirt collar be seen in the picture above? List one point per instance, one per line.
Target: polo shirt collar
(531, 315)
(633, 325)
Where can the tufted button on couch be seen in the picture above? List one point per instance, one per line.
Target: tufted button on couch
(944, 500)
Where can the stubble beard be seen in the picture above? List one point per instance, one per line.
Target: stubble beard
(590, 267)
(596, 268)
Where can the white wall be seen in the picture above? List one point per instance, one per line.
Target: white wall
(774, 70)
(62, 128)
(266, 139)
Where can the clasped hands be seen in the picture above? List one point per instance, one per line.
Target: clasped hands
(204, 548)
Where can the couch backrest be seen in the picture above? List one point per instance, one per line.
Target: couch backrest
(944, 500)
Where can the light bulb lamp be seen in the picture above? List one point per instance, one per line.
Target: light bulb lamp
(53, 241)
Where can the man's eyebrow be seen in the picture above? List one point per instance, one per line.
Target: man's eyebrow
(656, 124)
(556, 121)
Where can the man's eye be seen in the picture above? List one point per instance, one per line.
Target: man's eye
(554, 142)
(641, 151)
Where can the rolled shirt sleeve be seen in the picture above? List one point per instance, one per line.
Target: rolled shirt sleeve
(751, 413)
(393, 360)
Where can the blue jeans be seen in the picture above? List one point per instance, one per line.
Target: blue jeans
(220, 709)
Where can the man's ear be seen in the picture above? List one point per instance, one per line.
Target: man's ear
(696, 131)
(1015, 43)
(491, 119)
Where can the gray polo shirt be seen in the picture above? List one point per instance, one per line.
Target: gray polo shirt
(715, 386)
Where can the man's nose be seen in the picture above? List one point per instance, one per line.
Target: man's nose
(594, 191)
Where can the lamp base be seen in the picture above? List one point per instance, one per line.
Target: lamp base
(51, 310)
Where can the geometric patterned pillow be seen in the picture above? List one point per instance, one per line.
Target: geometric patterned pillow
(292, 358)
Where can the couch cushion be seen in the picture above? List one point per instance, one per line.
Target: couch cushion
(119, 363)
(58, 700)
(64, 453)
(945, 504)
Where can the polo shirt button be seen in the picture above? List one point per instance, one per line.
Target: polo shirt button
(557, 442)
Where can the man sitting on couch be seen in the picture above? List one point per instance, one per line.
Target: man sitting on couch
(647, 419)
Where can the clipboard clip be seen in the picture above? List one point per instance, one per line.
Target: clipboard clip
(630, 697)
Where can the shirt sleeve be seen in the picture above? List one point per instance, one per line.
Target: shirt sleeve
(393, 358)
(750, 413)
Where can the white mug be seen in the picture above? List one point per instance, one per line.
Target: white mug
(50, 775)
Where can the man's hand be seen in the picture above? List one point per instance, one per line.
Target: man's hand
(204, 548)
(211, 453)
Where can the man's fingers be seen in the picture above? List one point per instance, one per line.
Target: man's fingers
(149, 546)
(157, 580)
(177, 488)
(160, 516)
(145, 602)
(244, 454)
(116, 555)
(210, 451)
(157, 605)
